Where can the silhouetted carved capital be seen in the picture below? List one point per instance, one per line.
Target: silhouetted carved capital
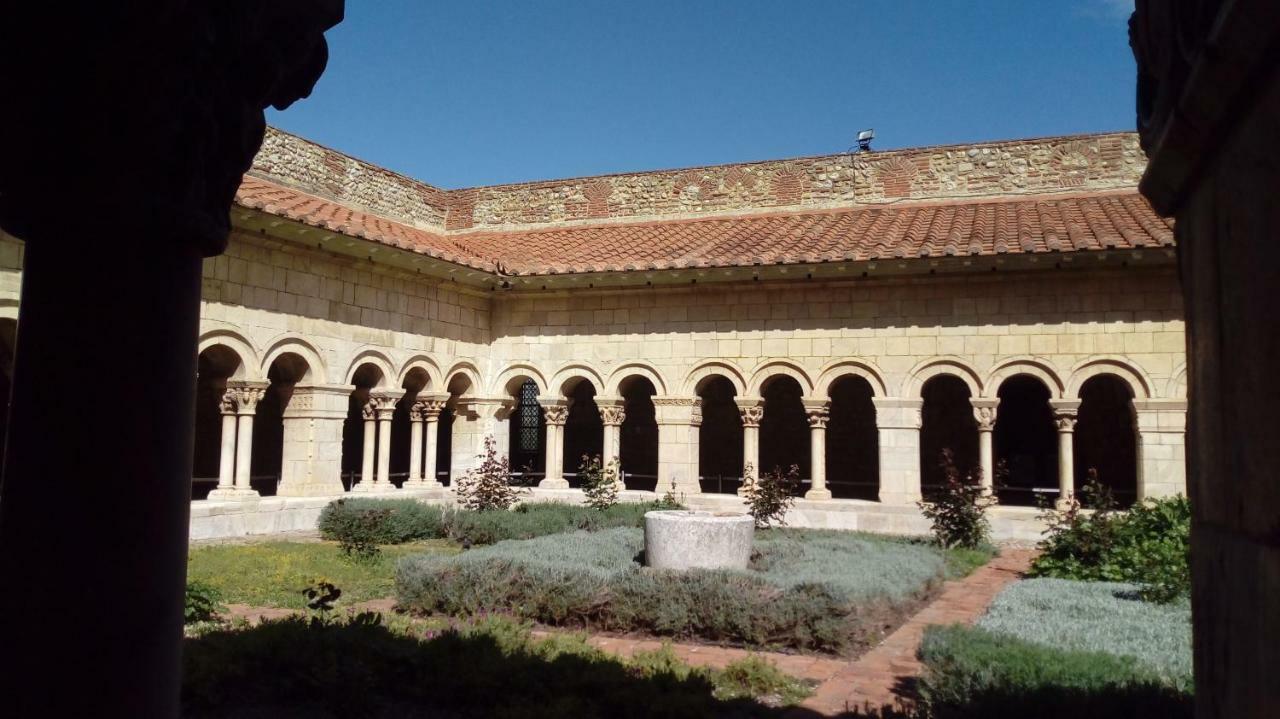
(144, 115)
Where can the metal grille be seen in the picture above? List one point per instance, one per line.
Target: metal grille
(529, 416)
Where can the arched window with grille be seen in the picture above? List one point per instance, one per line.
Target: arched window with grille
(528, 454)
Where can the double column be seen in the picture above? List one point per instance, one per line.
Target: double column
(612, 414)
(1065, 412)
(238, 405)
(378, 413)
(752, 411)
(424, 415)
(818, 411)
(984, 413)
(555, 410)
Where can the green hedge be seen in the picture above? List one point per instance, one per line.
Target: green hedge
(822, 591)
(407, 520)
(971, 672)
(1148, 545)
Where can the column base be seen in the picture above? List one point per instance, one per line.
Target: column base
(363, 487)
(818, 494)
(232, 494)
(553, 484)
(420, 484)
(1063, 504)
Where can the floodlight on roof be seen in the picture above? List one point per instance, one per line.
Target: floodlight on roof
(864, 140)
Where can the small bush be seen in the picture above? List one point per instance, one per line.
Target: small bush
(488, 486)
(974, 672)
(770, 496)
(757, 677)
(1148, 545)
(401, 520)
(203, 603)
(600, 484)
(958, 510)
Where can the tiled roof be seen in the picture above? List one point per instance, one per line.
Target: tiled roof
(1013, 225)
(291, 204)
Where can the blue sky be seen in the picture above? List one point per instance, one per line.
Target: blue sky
(489, 91)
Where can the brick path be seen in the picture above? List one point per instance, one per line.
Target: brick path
(885, 675)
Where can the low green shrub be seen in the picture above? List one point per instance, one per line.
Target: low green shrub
(202, 603)
(971, 672)
(1148, 545)
(822, 591)
(344, 668)
(396, 521)
(756, 677)
(400, 520)
(1097, 617)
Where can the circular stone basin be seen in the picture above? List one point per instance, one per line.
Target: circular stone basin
(686, 539)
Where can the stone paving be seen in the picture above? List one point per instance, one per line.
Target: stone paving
(886, 674)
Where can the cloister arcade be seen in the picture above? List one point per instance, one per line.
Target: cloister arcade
(1026, 431)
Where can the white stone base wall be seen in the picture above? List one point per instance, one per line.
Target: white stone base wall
(273, 515)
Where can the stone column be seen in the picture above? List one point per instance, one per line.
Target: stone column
(818, 413)
(752, 410)
(1064, 416)
(311, 455)
(386, 408)
(678, 420)
(247, 397)
(415, 446)
(612, 413)
(227, 461)
(1162, 463)
(898, 423)
(555, 411)
(429, 407)
(984, 411)
(369, 412)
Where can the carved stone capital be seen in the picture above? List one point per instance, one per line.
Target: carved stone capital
(429, 409)
(247, 395)
(369, 411)
(556, 414)
(1064, 413)
(751, 416)
(229, 401)
(613, 416)
(984, 412)
(695, 415)
(818, 418)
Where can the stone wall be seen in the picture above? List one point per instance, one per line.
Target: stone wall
(264, 288)
(1024, 167)
(319, 170)
(1093, 162)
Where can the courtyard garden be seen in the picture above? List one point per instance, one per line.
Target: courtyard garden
(518, 609)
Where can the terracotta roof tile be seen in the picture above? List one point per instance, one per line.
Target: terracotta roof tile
(1017, 225)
